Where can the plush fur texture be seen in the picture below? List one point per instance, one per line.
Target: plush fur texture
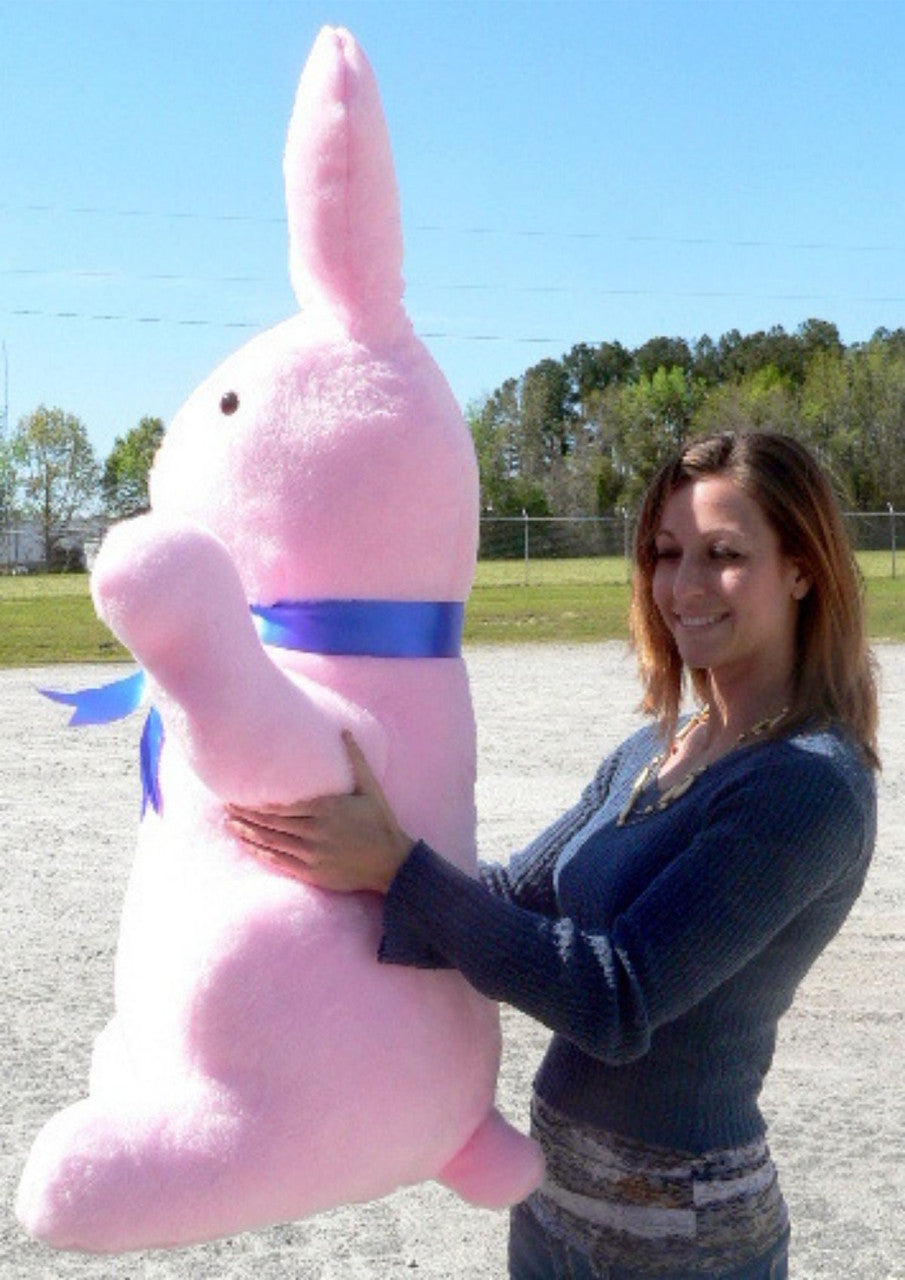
(261, 1065)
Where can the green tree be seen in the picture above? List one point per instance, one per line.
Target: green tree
(854, 411)
(584, 434)
(494, 430)
(663, 353)
(593, 368)
(56, 472)
(764, 400)
(547, 417)
(825, 399)
(125, 480)
(652, 418)
(891, 340)
(819, 335)
(741, 356)
(706, 360)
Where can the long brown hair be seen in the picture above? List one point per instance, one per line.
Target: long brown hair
(834, 670)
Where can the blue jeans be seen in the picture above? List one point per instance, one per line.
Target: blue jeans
(536, 1255)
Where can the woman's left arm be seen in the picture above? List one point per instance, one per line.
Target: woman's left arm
(760, 860)
(772, 842)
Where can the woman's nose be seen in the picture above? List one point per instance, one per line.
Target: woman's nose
(688, 580)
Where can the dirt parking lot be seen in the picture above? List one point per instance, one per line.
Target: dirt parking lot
(835, 1098)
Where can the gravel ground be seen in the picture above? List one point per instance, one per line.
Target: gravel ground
(835, 1098)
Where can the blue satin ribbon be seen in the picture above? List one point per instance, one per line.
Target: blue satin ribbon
(364, 628)
(108, 702)
(149, 760)
(104, 703)
(350, 628)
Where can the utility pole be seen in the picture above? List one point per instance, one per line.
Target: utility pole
(4, 422)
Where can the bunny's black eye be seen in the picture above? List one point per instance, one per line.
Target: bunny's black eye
(229, 403)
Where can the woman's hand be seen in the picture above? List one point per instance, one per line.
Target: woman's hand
(345, 843)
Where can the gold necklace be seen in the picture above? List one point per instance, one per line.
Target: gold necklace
(672, 793)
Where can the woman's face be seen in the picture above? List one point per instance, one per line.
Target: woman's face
(724, 590)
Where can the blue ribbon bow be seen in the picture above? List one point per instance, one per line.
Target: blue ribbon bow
(351, 628)
(109, 702)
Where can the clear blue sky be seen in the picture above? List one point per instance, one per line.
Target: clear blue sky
(568, 171)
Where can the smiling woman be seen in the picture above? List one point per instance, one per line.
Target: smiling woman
(727, 594)
(745, 575)
(660, 928)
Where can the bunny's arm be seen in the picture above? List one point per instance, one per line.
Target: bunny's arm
(172, 594)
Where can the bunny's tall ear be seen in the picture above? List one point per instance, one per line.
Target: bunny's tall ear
(345, 239)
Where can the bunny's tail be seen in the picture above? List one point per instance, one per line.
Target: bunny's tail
(497, 1167)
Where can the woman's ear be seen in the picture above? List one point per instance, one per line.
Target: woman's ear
(801, 582)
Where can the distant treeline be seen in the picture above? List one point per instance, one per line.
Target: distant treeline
(584, 434)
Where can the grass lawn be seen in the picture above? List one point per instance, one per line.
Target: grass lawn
(50, 619)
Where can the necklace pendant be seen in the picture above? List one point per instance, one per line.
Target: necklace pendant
(673, 793)
(637, 787)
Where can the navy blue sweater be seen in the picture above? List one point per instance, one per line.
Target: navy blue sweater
(661, 953)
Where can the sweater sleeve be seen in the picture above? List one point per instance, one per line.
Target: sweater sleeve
(768, 847)
(776, 838)
(527, 881)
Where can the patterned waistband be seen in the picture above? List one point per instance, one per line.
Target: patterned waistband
(644, 1207)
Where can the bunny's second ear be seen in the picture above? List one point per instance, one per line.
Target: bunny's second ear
(345, 240)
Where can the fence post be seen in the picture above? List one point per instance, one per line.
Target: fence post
(627, 543)
(892, 534)
(525, 526)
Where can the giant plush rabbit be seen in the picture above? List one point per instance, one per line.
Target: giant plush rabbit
(261, 1064)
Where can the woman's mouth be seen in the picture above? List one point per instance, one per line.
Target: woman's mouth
(698, 622)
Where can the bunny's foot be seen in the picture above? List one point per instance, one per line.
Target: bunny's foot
(101, 1185)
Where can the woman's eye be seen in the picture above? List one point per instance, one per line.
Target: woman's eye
(665, 553)
(725, 553)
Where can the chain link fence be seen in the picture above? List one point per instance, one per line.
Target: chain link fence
(878, 537)
(516, 541)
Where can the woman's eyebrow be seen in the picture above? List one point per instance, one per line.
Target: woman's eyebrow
(720, 531)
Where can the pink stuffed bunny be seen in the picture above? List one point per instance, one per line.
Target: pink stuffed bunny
(261, 1065)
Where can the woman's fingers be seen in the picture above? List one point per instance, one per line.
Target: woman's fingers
(298, 809)
(286, 823)
(345, 842)
(288, 817)
(281, 862)
(267, 846)
(274, 839)
(280, 853)
(364, 780)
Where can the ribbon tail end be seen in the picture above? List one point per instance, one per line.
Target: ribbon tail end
(67, 700)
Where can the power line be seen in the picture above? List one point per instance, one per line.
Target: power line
(826, 246)
(93, 274)
(165, 320)
(79, 273)
(259, 325)
(161, 277)
(29, 312)
(166, 215)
